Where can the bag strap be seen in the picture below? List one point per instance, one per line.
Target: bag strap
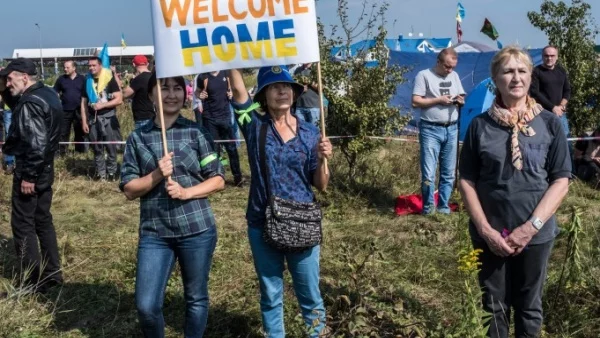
(262, 153)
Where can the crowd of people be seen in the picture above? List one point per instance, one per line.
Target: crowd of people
(514, 170)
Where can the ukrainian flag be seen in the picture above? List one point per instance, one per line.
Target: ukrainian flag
(94, 89)
(123, 44)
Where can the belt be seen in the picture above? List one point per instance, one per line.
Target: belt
(440, 124)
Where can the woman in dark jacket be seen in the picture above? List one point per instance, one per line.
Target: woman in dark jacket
(514, 173)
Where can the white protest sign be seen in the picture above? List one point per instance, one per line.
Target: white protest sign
(198, 36)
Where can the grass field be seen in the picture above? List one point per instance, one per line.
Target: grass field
(382, 275)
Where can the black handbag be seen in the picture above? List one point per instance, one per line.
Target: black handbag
(291, 226)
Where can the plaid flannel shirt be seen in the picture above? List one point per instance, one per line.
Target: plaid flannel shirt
(194, 162)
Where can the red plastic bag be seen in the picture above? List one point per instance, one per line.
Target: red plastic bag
(413, 204)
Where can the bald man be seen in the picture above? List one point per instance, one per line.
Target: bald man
(70, 88)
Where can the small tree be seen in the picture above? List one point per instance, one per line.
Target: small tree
(572, 30)
(359, 92)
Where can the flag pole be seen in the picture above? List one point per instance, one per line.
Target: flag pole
(321, 106)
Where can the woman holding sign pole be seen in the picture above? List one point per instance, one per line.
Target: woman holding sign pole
(287, 156)
(176, 220)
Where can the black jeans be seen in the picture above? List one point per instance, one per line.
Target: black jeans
(222, 130)
(72, 118)
(514, 282)
(198, 116)
(31, 223)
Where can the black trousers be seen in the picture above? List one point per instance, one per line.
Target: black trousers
(72, 118)
(34, 235)
(514, 282)
(198, 116)
(222, 130)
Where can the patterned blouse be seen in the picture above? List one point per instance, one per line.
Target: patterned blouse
(291, 164)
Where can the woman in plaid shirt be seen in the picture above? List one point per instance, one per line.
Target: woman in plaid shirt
(176, 220)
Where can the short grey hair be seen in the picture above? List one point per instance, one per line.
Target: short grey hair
(30, 77)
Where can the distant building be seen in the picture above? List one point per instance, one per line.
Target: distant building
(414, 45)
(54, 57)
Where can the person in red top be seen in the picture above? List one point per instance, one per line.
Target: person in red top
(141, 106)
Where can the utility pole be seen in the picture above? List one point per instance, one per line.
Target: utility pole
(41, 57)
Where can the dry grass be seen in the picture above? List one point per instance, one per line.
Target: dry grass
(415, 273)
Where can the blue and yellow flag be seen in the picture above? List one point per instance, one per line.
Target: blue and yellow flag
(123, 44)
(92, 88)
(460, 12)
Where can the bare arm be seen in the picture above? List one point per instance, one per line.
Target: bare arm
(128, 92)
(84, 102)
(240, 95)
(141, 186)
(426, 102)
(321, 174)
(116, 101)
(552, 199)
(201, 190)
(522, 235)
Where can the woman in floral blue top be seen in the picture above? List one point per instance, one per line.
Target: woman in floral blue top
(295, 154)
(176, 220)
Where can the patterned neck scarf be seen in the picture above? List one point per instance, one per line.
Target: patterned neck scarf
(518, 123)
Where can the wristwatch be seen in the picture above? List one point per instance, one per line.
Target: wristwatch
(536, 222)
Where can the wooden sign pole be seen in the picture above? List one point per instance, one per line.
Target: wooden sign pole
(322, 110)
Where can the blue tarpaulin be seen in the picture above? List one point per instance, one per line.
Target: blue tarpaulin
(472, 68)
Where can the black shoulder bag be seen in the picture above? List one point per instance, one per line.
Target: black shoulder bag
(291, 226)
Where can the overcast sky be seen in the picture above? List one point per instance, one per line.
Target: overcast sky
(78, 23)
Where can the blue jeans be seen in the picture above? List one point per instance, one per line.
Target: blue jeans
(310, 115)
(304, 268)
(236, 129)
(140, 123)
(8, 159)
(437, 142)
(155, 261)
(565, 123)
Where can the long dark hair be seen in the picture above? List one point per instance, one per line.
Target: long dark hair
(178, 79)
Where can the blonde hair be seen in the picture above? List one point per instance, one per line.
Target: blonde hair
(505, 54)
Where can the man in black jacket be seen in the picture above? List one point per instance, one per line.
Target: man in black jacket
(33, 139)
(550, 85)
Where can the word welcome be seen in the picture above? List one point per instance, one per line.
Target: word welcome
(197, 36)
(236, 10)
